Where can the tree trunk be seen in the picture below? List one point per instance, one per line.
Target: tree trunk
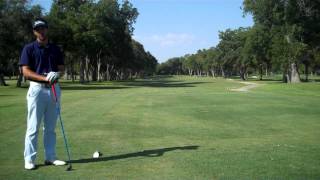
(117, 75)
(82, 71)
(107, 75)
(93, 71)
(261, 71)
(72, 71)
(130, 74)
(87, 77)
(67, 73)
(99, 69)
(294, 73)
(121, 74)
(222, 72)
(213, 73)
(285, 71)
(243, 73)
(94, 74)
(306, 71)
(267, 71)
(112, 73)
(2, 81)
(19, 81)
(20, 77)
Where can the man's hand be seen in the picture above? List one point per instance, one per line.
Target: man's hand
(52, 77)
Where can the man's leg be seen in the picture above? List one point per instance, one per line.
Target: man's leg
(49, 134)
(35, 114)
(50, 121)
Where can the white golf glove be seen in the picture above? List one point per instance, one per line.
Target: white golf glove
(52, 77)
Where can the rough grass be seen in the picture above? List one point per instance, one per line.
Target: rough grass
(174, 128)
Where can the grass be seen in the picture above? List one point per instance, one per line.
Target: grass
(174, 128)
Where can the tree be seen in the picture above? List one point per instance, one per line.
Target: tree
(17, 17)
(99, 36)
(189, 63)
(294, 27)
(171, 67)
(211, 61)
(257, 48)
(231, 48)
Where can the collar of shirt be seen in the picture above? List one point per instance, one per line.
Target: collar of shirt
(40, 46)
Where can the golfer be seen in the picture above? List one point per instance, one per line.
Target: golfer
(41, 63)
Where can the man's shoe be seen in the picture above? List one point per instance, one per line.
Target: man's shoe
(29, 165)
(55, 162)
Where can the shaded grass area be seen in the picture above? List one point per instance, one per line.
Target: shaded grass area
(145, 153)
(174, 128)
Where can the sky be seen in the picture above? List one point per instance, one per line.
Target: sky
(173, 28)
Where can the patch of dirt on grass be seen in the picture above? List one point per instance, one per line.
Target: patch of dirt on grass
(249, 85)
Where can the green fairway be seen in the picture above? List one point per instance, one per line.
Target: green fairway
(173, 128)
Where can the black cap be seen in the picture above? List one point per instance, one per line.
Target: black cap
(39, 23)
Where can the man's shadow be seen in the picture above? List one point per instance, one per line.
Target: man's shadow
(145, 153)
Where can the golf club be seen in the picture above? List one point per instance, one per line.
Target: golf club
(69, 168)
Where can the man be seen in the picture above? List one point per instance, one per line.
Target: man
(41, 63)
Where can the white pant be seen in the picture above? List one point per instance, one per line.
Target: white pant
(41, 103)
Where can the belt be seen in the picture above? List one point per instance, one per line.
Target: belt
(44, 85)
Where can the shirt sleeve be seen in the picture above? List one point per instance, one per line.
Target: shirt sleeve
(25, 57)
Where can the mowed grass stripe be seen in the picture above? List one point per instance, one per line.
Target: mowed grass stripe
(175, 128)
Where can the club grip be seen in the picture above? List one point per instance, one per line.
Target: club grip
(54, 92)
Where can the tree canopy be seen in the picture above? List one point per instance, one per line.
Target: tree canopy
(284, 39)
(95, 36)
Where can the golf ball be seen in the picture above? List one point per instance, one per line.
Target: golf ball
(96, 154)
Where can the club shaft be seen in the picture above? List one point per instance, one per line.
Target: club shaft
(61, 123)
(64, 136)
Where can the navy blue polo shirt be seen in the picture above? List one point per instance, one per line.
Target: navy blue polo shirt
(41, 59)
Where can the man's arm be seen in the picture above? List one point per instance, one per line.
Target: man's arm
(31, 75)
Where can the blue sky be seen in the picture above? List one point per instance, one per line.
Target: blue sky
(173, 28)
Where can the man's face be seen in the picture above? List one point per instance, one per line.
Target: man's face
(41, 33)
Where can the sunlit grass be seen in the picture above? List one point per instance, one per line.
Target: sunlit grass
(174, 128)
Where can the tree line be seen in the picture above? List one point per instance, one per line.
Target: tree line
(95, 36)
(285, 39)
